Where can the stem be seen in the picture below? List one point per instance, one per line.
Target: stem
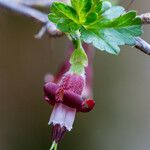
(76, 40)
(56, 145)
(79, 44)
(142, 45)
(53, 146)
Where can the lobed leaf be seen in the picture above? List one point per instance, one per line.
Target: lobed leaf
(82, 7)
(64, 16)
(107, 34)
(105, 26)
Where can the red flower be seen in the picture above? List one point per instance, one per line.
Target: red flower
(66, 96)
(68, 93)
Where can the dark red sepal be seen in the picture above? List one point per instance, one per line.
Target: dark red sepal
(69, 98)
(87, 105)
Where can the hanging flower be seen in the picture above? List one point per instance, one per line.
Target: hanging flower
(66, 96)
(67, 100)
(69, 91)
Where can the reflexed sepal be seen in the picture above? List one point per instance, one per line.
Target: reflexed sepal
(70, 99)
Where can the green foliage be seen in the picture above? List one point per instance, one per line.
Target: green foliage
(65, 17)
(98, 22)
(82, 7)
(108, 35)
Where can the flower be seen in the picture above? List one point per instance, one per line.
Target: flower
(66, 96)
(68, 92)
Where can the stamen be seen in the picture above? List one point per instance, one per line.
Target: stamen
(58, 133)
(59, 94)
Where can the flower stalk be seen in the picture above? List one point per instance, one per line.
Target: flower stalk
(54, 146)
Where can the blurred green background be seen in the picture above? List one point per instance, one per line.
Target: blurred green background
(121, 118)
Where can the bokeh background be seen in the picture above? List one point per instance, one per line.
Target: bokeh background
(121, 85)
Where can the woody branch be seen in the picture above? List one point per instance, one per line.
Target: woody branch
(140, 43)
(33, 13)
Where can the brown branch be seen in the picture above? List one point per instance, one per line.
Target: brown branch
(32, 13)
(142, 46)
(140, 43)
(145, 18)
(40, 3)
(36, 3)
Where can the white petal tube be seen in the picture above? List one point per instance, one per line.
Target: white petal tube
(63, 115)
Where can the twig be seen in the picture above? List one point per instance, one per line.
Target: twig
(143, 46)
(140, 43)
(36, 3)
(33, 13)
(145, 18)
(41, 3)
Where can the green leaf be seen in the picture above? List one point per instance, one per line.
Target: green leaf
(53, 17)
(64, 11)
(98, 6)
(99, 40)
(113, 12)
(64, 16)
(114, 28)
(107, 35)
(82, 7)
(66, 25)
(92, 17)
(105, 26)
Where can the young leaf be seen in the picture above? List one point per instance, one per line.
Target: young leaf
(64, 16)
(82, 7)
(64, 11)
(91, 17)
